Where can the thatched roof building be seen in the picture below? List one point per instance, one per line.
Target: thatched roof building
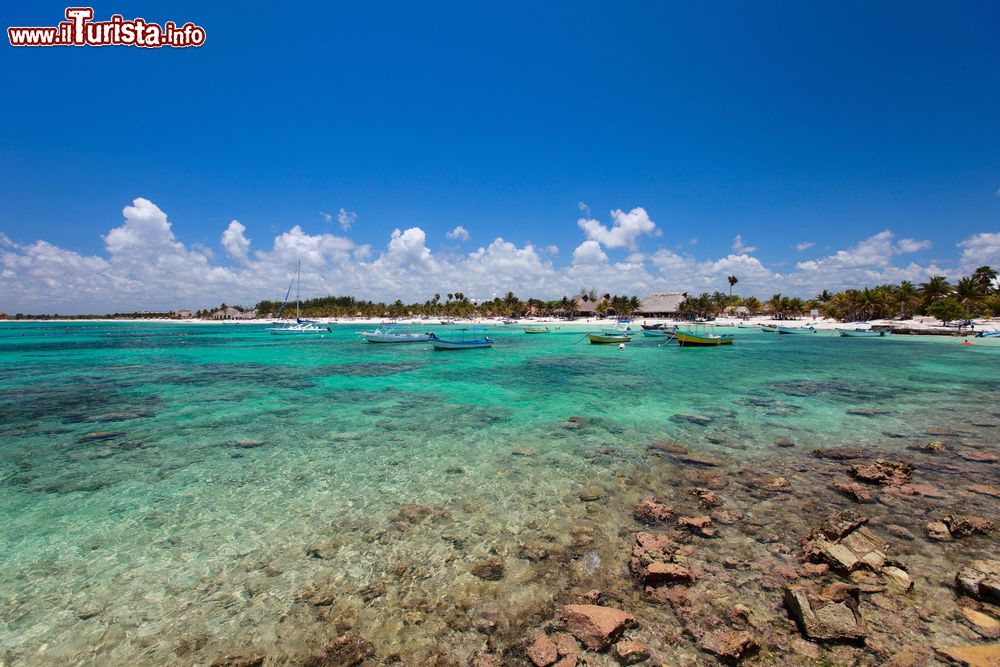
(662, 304)
(230, 313)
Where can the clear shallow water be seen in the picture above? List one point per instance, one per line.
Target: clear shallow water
(171, 478)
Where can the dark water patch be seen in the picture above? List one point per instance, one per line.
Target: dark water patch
(366, 369)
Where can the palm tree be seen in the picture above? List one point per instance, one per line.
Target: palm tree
(935, 288)
(986, 278)
(732, 281)
(906, 298)
(969, 293)
(824, 297)
(753, 304)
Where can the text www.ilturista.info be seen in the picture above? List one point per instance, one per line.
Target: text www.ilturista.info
(79, 29)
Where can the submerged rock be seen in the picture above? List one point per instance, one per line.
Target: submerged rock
(868, 412)
(881, 471)
(840, 453)
(491, 569)
(854, 491)
(543, 651)
(596, 627)
(985, 489)
(706, 497)
(656, 561)
(964, 525)
(825, 618)
(983, 624)
(630, 652)
(938, 531)
(252, 659)
(980, 580)
(730, 645)
(977, 456)
(651, 510)
(700, 420)
(97, 436)
(700, 525)
(347, 650)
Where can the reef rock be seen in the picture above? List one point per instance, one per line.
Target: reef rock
(347, 650)
(840, 453)
(881, 471)
(595, 626)
(980, 579)
(656, 561)
(650, 510)
(491, 569)
(964, 525)
(980, 655)
(629, 652)
(730, 645)
(827, 618)
(854, 491)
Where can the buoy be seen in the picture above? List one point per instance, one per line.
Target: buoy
(621, 346)
(967, 342)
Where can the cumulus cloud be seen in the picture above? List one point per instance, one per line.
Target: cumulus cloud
(740, 247)
(624, 230)
(346, 219)
(979, 250)
(460, 233)
(805, 245)
(904, 246)
(327, 217)
(144, 266)
(235, 243)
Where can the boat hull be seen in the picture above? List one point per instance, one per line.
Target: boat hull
(296, 331)
(862, 333)
(460, 344)
(796, 330)
(603, 339)
(536, 330)
(372, 337)
(687, 339)
(658, 333)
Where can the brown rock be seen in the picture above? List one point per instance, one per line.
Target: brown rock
(543, 651)
(854, 491)
(925, 490)
(813, 569)
(784, 442)
(977, 456)
(840, 453)
(651, 554)
(707, 497)
(701, 525)
(668, 447)
(533, 551)
(488, 660)
(985, 625)
(730, 645)
(651, 511)
(629, 652)
(347, 650)
(491, 569)
(985, 489)
(964, 525)
(414, 512)
(980, 579)
(253, 659)
(659, 574)
(937, 530)
(825, 618)
(697, 460)
(324, 550)
(881, 471)
(840, 524)
(981, 655)
(597, 627)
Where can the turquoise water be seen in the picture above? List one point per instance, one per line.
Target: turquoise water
(162, 484)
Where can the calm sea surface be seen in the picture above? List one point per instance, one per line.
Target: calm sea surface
(161, 485)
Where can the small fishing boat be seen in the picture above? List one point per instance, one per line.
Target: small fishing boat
(470, 340)
(796, 330)
(301, 327)
(608, 339)
(863, 333)
(744, 325)
(536, 330)
(394, 335)
(768, 328)
(988, 334)
(619, 330)
(691, 339)
(652, 327)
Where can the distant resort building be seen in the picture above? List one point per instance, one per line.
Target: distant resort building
(183, 314)
(230, 313)
(585, 307)
(661, 304)
(3, 316)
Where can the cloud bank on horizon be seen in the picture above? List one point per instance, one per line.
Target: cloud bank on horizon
(145, 267)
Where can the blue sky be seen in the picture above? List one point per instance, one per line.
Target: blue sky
(781, 124)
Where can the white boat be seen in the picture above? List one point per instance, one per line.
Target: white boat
(619, 330)
(536, 330)
(394, 335)
(796, 330)
(863, 333)
(301, 327)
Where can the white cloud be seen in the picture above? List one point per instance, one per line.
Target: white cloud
(583, 207)
(624, 231)
(805, 245)
(552, 250)
(409, 248)
(235, 243)
(904, 246)
(327, 217)
(346, 219)
(979, 250)
(460, 233)
(589, 252)
(740, 247)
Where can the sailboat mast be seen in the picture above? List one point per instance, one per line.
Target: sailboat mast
(298, 283)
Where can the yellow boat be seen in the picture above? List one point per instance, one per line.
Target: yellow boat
(688, 339)
(606, 339)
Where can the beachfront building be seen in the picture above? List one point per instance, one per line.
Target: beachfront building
(661, 304)
(584, 307)
(183, 314)
(230, 313)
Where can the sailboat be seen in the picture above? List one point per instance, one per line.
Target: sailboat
(301, 327)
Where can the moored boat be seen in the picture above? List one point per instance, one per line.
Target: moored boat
(988, 334)
(608, 339)
(465, 343)
(658, 333)
(691, 339)
(653, 327)
(301, 327)
(796, 330)
(536, 330)
(863, 333)
(393, 335)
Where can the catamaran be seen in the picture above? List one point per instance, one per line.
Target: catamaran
(301, 327)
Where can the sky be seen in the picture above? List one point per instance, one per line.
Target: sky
(403, 149)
